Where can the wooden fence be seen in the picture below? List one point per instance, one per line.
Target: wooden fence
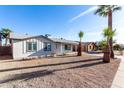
(5, 51)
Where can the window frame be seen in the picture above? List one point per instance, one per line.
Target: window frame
(32, 46)
(47, 46)
(67, 47)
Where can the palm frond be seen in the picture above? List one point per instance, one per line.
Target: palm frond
(117, 8)
(81, 34)
(103, 10)
(107, 33)
(5, 32)
(103, 43)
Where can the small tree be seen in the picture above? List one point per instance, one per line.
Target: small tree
(5, 32)
(102, 44)
(107, 52)
(81, 34)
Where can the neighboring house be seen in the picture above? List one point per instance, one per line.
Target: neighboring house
(26, 46)
(89, 46)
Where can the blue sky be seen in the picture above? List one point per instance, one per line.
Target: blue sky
(59, 21)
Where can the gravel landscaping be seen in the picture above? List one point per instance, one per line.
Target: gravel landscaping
(62, 72)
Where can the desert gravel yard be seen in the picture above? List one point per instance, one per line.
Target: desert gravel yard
(85, 71)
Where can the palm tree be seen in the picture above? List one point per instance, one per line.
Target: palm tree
(5, 34)
(106, 11)
(81, 34)
(108, 34)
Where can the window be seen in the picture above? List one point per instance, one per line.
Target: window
(90, 46)
(47, 46)
(67, 47)
(93, 47)
(34, 46)
(31, 46)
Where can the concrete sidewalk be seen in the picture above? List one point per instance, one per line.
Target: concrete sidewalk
(118, 81)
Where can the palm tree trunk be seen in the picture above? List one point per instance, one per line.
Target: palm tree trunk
(106, 56)
(80, 49)
(111, 39)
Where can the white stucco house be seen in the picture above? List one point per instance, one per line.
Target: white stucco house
(27, 46)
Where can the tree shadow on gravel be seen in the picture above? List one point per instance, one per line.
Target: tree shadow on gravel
(27, 76)
(42, 73)
(56, 64)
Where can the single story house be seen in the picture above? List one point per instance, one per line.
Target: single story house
(27, 46)
(89, 46)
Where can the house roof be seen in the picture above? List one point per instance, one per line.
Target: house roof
(61, 40)
(87, 43)
(57, 40)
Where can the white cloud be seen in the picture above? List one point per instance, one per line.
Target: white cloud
(83, 13)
